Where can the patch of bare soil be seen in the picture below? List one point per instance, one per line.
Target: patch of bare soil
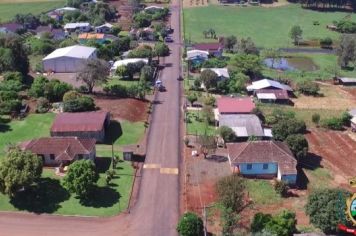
(133, 110)
(333, 98)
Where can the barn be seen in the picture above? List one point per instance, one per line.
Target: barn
(81, 125)
(69, 59)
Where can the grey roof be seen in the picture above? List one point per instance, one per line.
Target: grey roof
(265, 83)
(76, 51)
(347, 80)
(244, 125)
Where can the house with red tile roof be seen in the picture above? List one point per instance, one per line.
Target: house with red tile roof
(263, 159)
(56, 151)
(214, 49)
(272, 95)
(81, 124)
(235, 105)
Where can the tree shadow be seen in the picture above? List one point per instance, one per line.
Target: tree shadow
(310, 162)
(302, 179)
(102, 164)
(44, 197)
(101, 197)
(113, 132)
(4, 128)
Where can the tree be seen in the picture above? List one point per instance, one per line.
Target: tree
(295, 34)
(308, 88)
(37, 87)
(347, 50)
(283, 128)
(273, 54)
(81, 178)
(42, 105)
(190, 225)
(122, 71)
(298, 145)
(207, 114)
(259, 222)
(230, 190)
(316, 118)
(146, 74)
(226, 133)
(284, 224)
(94, 72)
(230, 42)
(247, 64)
(19, 169)
(325, 208)
(209, 79)
(161, 50)
(55, 89)
(192, 97)
(80, 104)
(326, 42)
(281, 188)
(247, 46)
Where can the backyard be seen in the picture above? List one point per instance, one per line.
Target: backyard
(8, 9)
(268, 27)
(49, 196)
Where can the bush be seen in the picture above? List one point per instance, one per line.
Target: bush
(281, 188)
(214, 63)
(71, 95)
(283, 128)
(308, 88)
(209, 101)
(326, 42)
(333, 123)
(259, 222)
(80, 104)
(14, 76)
(298, 145)
(346, 26)
(42, 105)
(230, 191)
(190, 225)
(316, 118)
(226, 133)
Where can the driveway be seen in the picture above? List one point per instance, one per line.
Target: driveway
(156, 211)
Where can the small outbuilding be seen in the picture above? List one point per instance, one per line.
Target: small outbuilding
(347, 81)
(214, 49)
(104, 29)
(272, 95)
(69, 59)
(268, 84)
(78, 26)
(222, 73)
(81, 124)
(127, 61)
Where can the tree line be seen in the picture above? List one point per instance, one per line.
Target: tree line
(332, 4)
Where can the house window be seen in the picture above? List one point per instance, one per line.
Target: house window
(265, 166)
(51, 156)
(249, 166)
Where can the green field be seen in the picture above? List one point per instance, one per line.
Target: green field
(51, 197)
(195, 126)
(268, 27)
(8, 9)
(262, 192)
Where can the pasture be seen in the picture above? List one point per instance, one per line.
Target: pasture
(268, 27)
(8, 9)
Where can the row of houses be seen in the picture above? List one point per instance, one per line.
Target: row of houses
(73, 137)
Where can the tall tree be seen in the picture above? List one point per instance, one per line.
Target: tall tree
(230, 42)
(209, 79)
(230, 191)
(161, 50)
(295, 34)
(19, 169)
(347, 50)
(94, 72)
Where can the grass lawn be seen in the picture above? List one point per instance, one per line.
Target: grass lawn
(318, 178)
(196, 126)
(33, 126)
(303, 114)
(268, 27)
(323, 61)
(49, 196)
(262, 192)
(8, 9)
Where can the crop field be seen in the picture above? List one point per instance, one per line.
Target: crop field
(268, 27)
(8, 9)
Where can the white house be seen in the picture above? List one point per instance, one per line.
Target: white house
(267, 84)
(66, 9)
(104, 29)
(80, 26)
(222, 73)
(69, 59)
(127, 61)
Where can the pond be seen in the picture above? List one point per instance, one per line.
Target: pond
(292, 63)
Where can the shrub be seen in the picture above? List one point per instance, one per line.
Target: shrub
(283, 128)
(298, 145)
(333, 123)
(308, 88)
(71, 95)
(190, 225)
(259, 222)
(326, 42)
(42, 105)
(209, 101)
(80, 104)
(316, 118)
(230, 191)
(281, 188)
(226, 133)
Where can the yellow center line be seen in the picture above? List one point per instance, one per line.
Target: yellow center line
(151, 166)
(169, 171)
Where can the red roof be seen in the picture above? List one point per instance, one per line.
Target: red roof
(228, 105)
(64, 148)
(279, 93)
(79, 121)
(208, 46)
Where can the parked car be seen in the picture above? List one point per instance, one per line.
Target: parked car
(168, 40)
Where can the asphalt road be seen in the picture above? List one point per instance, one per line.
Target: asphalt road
(156, 211)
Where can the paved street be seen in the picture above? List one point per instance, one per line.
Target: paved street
(157, 209)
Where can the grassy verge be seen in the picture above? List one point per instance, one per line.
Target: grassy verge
(33, 126)
(196, 126)
(262, 192)
(9, 9)
(268, 27)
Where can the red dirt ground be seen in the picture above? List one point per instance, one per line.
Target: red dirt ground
(123, 109)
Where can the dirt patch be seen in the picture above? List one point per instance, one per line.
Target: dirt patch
(123, 109)
(333, 98)
(337, 151)
(125, 12)
(197, 3)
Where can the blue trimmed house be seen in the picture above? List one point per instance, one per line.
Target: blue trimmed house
(263, 159)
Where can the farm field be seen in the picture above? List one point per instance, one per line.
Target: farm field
(268, 27)
(8, 9)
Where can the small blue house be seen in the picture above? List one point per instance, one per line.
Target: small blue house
(263, 159)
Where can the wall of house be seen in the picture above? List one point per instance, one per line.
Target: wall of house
(290, 179)
(257, 169)
(63, 64)
(99, 136)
